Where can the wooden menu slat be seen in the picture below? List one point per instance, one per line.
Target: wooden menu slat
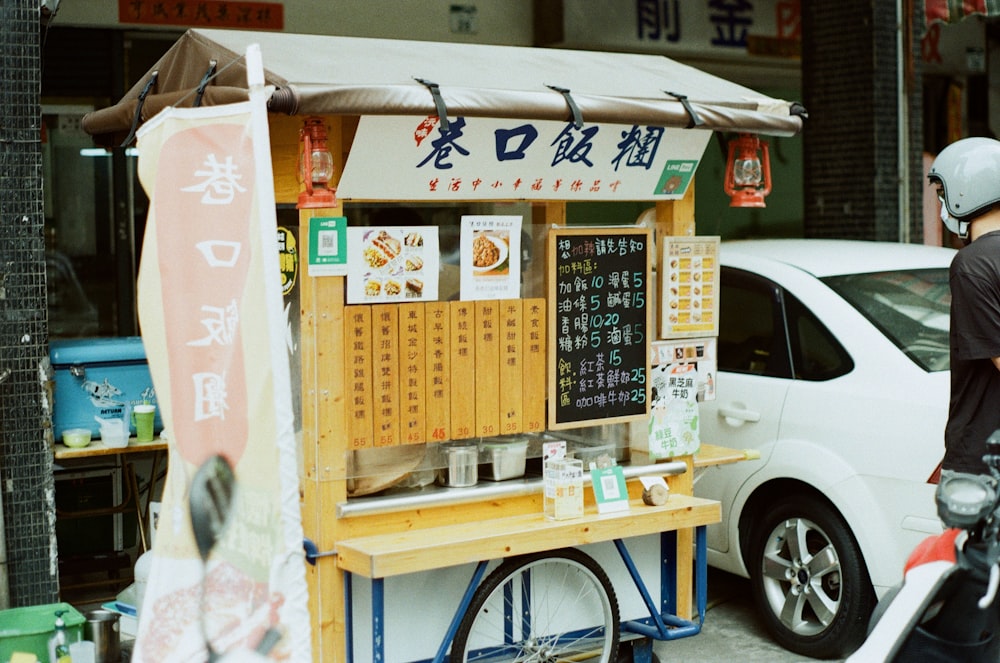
(412, 372)
(511, 367)
(534, 379)
(385, 384)
(487, 367)
(462, 323)
(358, 363)
(437, 355)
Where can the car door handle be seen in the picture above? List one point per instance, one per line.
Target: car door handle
(739, 414)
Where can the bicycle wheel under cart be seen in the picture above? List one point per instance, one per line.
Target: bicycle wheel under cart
(550, 606)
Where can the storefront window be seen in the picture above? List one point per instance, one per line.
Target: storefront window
(82, 245)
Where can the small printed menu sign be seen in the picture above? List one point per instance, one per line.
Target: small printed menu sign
(689, 290)
(392, 264)
(610, 491)
(491, 257)
(598, 325)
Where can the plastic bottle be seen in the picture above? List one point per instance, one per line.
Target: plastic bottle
(141, 574)
(59, 642)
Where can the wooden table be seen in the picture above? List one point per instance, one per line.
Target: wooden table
(97, 449)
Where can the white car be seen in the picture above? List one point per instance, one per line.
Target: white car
(833, 363)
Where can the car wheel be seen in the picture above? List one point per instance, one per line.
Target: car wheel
(808, 579)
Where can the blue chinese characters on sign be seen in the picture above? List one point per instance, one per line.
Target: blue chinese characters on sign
(637, 149)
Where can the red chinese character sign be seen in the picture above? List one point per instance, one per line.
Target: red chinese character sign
(213, 325)
(486, 158)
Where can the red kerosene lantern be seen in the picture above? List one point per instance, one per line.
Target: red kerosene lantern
(316, 167)
(748, 172)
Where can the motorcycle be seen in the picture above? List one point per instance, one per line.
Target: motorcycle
(946, 608)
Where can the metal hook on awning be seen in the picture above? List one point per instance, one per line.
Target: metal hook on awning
(212, 64)
(574, 109)
(138, 108)
(435, 90)
(695, 121)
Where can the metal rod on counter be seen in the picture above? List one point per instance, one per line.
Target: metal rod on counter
(368, 506)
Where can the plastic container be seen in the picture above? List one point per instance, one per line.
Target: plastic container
(76, 438)
(28, 629)
(563, 483)
(505, 459)
(594, 455)
(114, 432)
(461, 466)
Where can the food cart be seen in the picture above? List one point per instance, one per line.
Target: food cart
(397, 369)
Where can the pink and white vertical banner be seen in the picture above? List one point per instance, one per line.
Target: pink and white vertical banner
(212, 322)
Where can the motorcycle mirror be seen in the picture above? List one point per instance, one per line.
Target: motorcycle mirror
(209, 501)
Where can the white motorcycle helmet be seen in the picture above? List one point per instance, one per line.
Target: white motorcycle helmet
(968, 171)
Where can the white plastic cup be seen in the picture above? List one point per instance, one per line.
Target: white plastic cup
(83, 651)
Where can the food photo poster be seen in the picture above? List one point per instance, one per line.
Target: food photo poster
(491, 257)
(392, 264)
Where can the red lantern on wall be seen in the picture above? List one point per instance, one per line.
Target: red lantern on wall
(748, 172)
(316, 167)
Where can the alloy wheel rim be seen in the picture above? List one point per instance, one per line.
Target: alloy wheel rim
(801, 577)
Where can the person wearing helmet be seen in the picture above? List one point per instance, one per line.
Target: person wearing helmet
(967, 177)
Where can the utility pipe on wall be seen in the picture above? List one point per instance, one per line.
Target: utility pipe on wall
(904, 14)
(4, 587)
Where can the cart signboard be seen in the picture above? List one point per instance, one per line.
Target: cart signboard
(479, 158)
(598, 325)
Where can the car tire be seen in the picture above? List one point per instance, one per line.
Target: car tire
(808, 579)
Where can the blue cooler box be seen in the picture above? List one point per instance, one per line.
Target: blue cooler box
(99, 377)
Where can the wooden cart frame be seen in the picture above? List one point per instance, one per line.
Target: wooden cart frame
(321, 77)
(404, 541)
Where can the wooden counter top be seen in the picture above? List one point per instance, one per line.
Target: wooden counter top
(384, 555)
(710, 454)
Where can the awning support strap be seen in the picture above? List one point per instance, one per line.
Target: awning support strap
(577, 115)
(138, 108)
(695, 121)
(204, 82)
(435, 91)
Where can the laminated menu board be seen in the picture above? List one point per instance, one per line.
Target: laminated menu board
(437, 371)
(360, 367)
(689, 292)
(412, 374)
(599, 325)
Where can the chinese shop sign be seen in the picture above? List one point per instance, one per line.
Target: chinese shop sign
(241, 14)
(408, 158)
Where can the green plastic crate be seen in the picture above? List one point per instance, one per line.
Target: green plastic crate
(28, 629)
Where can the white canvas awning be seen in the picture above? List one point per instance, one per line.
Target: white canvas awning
(328, 75)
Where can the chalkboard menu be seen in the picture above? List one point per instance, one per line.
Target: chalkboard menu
(599, 322)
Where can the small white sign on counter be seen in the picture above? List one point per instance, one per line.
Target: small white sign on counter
(610, 491)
